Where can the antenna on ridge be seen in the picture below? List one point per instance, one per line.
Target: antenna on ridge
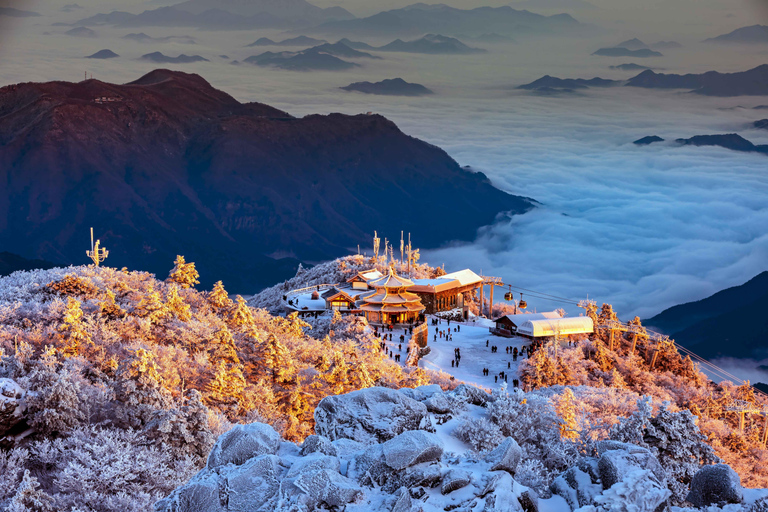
(96, 253)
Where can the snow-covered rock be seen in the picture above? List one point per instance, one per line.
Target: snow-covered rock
(412, 447)
(371, 415)
(320, 488)
(455, 479)
(715, 485)
(422, 393)
(505, 457)
(253, 485)
(578, 485)
(318, 444)
(438, 403)
(614, 465)
(242, 443)
(11, 410)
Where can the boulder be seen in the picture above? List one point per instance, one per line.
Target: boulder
(411, 448)
(324, 488)
(11, 410)
(615, 465)
(201, 493)
(455, 479)
(371, 415)
(318, 444)
(715, 485)
(529, 500)
(505, 457)
(422, 393)
(404, 502)
(499, 494)
(347, 448)
(252, 485)
(421, 475)
(243, 442)
(438, 404)
(313, 462)
(472, 395)
(576, 486)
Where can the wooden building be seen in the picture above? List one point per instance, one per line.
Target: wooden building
(392, 302)
(448, 292)
(338, 300)
(360, 280)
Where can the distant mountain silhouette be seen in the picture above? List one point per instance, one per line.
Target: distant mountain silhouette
(650, 139)
(553, 4)
(753, 82)
(731, 141)
(81, 32)
(357, 45)
(161, 58)
(10, 263)
(633, 44)
(169, 165)
(141, 37)
(340, 50)
(391, 87)
(301, 61)
(547, 82)
(103, 54)
(418, 19)
(489, 38)
(756, 34)
(294, 41)
(225, 15)
(761, 124)
(630, 67)
(432, 44)
(625, 52)
(16, 13)
(730, 323)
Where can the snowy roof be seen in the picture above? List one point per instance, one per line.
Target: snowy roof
(366, 276)
(522, 317)
(334, 292)
(465, 277)
(550, 327)
(392, 281)
(434, 285)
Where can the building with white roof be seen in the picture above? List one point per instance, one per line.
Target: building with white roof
(548, 327)
(511, 323)
(448, 292)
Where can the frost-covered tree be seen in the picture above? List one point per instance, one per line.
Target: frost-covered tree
(184, 274)
(176, 305)
(29, 497)
(566, 408)
(218, 298)
(73, 334)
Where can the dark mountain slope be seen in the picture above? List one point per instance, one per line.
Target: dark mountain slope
(10, 263)
(169, 165)
(730, 323)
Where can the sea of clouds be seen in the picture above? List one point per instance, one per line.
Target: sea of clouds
(643, 228)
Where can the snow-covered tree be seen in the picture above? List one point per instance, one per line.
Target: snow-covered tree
(184, 274)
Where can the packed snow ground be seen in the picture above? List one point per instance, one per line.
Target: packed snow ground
(470, 339)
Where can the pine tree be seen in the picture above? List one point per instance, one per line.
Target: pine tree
(219, 298)
(72, 331)
(565, 405)
(184, 274)
(240, 315)
(226, 387)
(176, 305)
(151, 306)
(277, 359)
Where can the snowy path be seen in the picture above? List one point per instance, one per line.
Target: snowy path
(474, 354)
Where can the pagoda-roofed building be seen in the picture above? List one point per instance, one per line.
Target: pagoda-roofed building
(392, 303)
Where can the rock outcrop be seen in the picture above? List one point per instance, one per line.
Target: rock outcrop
(715, 485)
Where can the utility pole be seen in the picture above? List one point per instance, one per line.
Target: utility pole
(376, 242)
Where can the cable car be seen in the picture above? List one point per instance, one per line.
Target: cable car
(522, 304)
(509, 296)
